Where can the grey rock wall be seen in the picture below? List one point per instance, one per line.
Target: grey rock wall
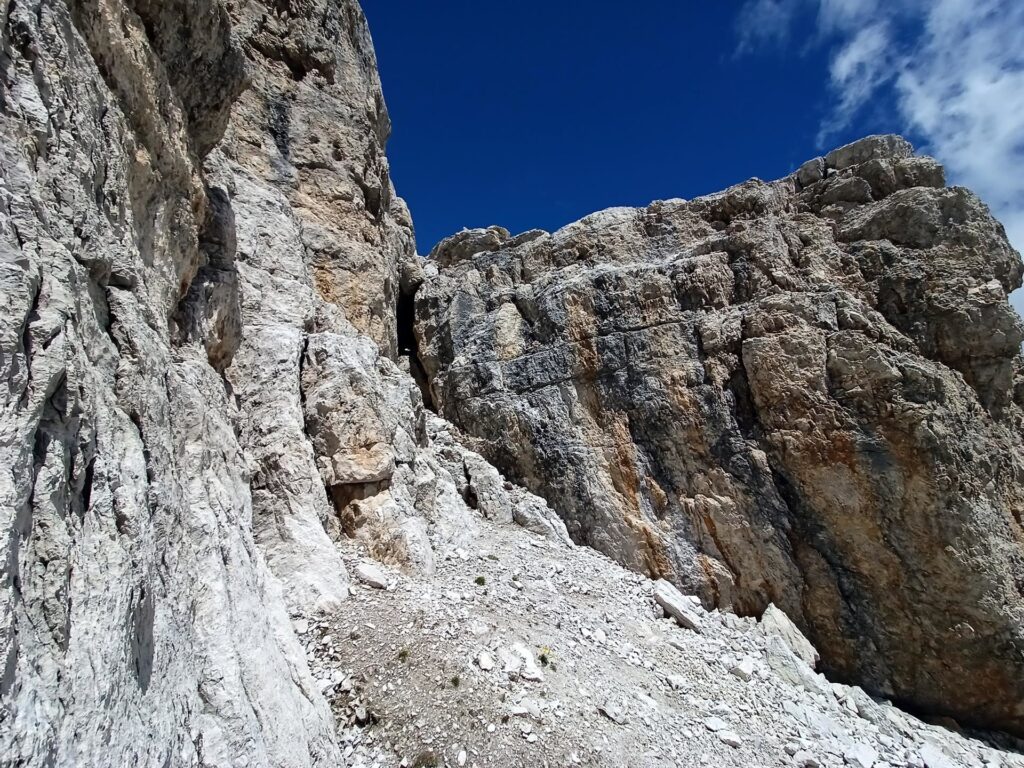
(138, 621)
(805, 392)
(200, 251)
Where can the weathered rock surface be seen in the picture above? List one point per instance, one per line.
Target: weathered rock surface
(320, 235)
(139, 624)
(210, 407)
(200, 253)
(805, 392)
(439, 665)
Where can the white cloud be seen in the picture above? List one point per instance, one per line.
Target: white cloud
(964, 92)
(859, 68)
(766, 22)
(955, 68)
(845, 15)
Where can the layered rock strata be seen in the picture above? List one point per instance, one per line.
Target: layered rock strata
(806, 392)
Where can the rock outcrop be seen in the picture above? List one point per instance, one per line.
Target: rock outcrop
(805, 393)
(138, 622)
(213, 401)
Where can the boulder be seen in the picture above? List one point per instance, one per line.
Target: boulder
(371, 575)
(677, 606)
(775, 622)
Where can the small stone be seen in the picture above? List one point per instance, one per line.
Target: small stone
(371, 575)
(744, 670)
(526, 708)
(860, 755)
(676, 682)
(529, 669)
(485, 661)
(804, 759)
(463, 757)
(614, 711)
(729, 737)
(511, 662)
(715, 724)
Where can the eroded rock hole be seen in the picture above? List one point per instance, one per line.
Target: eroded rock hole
(141, 638)
(89, 478)
(279, 126)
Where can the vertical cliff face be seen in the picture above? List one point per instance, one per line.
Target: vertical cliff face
(158, 302)
(139, 623)
(805, 392)
(200, 251)
(319, 238)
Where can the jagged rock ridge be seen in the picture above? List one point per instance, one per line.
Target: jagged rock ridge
(805, 392)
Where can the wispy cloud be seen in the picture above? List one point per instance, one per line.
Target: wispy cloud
(954, 67)
(766, 22)
(858, 70)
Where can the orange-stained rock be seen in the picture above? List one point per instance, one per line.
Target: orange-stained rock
(804, 392)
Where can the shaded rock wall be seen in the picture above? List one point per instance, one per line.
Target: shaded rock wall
(805, 392)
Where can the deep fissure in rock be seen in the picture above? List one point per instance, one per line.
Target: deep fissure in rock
(405, 315)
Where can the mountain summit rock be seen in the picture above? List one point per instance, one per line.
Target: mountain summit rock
(805, 392)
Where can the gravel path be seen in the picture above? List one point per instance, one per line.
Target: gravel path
(525, 652)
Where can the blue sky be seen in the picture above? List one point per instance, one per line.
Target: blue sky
(535, 113)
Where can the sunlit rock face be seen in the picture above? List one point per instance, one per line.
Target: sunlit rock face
(805, 392)
(219, 352)
(187, 189)
(201, 258)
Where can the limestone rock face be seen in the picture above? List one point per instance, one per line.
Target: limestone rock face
(805, 393)
(802, 393)
(319, 238)
(194, 205)
(200, 260)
